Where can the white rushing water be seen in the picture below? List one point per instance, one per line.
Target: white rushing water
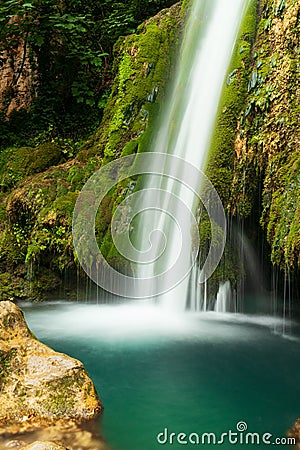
(223, 302)
(185, 131)
(137, 322)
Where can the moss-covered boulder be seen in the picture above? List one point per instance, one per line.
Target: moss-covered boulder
(17, 163)
(35, 230)
(39, 387)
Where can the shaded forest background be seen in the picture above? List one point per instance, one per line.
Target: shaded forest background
(68, 46)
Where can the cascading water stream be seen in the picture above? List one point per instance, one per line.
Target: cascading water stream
(185, 132)
(223, 301)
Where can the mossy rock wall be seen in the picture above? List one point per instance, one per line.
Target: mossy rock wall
(267, 138)
(39, 186)
(144, 63)
(254, 156)
(221, 158)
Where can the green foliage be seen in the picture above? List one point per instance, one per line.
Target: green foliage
(69, 45)
(12, 248)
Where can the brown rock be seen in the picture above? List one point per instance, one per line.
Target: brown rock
(43, 445)
(294, 432)
(39, 387)
(15, 443)
(68, 435)
(18, 80)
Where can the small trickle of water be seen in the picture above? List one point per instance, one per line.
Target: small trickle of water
(224, 298)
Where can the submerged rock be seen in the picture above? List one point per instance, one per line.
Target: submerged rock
(43, 445)
(39, 387)
(59, 436)
(294, 432)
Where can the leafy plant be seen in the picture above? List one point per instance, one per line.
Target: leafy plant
(69, 44)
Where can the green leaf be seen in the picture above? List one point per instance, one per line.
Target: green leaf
(39, 40)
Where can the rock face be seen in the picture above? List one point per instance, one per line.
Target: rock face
(18, 77)
(43, 445)
(267, 138)
(39, 387)
(294, 432)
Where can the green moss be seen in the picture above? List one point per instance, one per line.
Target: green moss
(222, 151)
(186, 6)
(64, 205)
(130, 148)
(268, 138)
(39, 185)
(13, 286)
(126, 72)
(37, 237)
(21, 162)
(142, 66)
(222, 154)
(61, 400)
(282, 215)
(5, 363)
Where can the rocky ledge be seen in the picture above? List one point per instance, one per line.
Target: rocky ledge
(39, 388)
(294, 432)
(43, 445)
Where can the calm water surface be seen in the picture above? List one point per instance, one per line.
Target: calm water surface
(185, 373)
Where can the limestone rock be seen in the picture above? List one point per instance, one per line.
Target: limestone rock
(15, 443)
(294, 432)
(67, 435)
(39, 387)
(43, 445)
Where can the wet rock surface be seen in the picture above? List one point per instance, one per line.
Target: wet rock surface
(294, 432)
(57, 437)
(44, 445)
(42, 390)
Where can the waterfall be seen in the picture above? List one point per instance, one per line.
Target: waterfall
(185, 131)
